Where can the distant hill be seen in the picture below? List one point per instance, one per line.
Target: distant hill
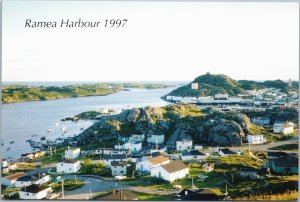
(210, 84)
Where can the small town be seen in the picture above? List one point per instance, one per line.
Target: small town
(263, 164)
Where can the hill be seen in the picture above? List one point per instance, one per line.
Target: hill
(210, 84)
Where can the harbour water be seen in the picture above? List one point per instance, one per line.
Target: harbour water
(20, 121)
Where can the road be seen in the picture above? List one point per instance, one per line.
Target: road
(91, 188)
(263, 147)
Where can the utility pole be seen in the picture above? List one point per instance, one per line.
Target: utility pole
(249, 149)
(62, 189)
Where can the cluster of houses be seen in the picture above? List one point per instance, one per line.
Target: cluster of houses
(7, 166)
(33, 155)
(33, 186)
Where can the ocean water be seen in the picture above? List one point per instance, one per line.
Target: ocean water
(21, 120)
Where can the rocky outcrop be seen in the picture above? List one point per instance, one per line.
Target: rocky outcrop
(211, 127)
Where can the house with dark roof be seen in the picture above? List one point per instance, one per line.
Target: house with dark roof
(200, 195)
(193, 155)
(171, 171)
(117, 195)
(38, 178)
(226, 152)
(285, 165)
(34, 192)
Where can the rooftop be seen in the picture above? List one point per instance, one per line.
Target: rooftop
(193, 153)
(15, 176)
(34, 188)
(227, 151)
(158, 160)
(201, 195)
(119, 163)
(33, 177)
(70, 161)
(286, 161)
(114, 156)
(174, 166)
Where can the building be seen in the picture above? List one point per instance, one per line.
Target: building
(208, 167)
(137, 137)
(117, 195)
(34, 192)
(156, 139)
(109, 151)
(194, 86)
(146, 165)
(256, 139)
(193, 155)
(172, 171)
(276, 154)
(133, 146)
(184, 144)
(4, 163)
(72, 153)
(198, 147)
(10, 180)
(283, 128)
(68, 166)
(221, 96)
(118, 168)
(108, 159)
(200, 195)
(285, 165)
(226, 152)
(261, 121)
(38, 178)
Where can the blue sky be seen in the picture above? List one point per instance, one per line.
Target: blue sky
(161, 41)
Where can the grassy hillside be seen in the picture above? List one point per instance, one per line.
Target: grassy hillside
(210, 84)
(19, 93)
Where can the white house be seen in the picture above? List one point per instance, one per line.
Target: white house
(4, 163)
(133, 146)
(118, 168)
(109, 151)
(221, 96)
(172, 171)
(198, 147)
(10, 180)
(68, 166)
(194, 86)
(72, 153)
(34, 192)
(137, 137)
(184, 144)
(38, 178)
(145, 166)
(283, 128)
(108, 159)
(226, 152)
(256, 139)
(156, 139)
(193, 155)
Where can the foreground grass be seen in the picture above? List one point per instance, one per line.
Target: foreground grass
(69, 185)
(289, 195)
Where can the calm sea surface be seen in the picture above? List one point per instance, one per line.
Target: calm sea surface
(21, 120)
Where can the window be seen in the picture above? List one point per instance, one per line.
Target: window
(121, 171)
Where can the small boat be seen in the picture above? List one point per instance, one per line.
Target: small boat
(28, 140)
(64, 128)
(34, 135)
(81, 128)
(43, 138)
(50, 130)
(57, 124)
(12, 142)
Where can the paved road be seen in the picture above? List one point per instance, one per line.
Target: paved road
(92, 187)
(264, 147)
